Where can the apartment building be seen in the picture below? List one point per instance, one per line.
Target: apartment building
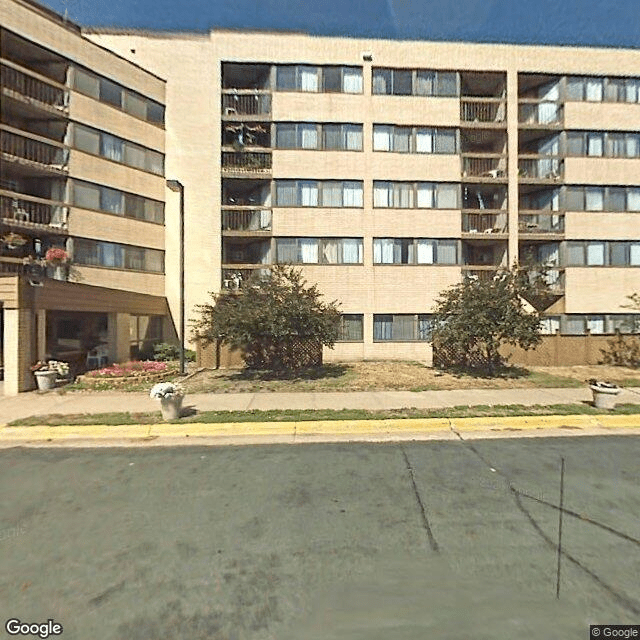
(82, 193)
(390, 170)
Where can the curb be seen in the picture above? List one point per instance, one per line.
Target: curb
(387, 428)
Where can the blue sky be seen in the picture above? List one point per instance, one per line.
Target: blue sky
(604, 22)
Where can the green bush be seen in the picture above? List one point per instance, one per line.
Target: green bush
(164, 352)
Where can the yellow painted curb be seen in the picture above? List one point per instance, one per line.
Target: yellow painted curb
(317, 427)
(74, 432)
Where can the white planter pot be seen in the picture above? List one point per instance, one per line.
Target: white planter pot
(171, 407)
(604, 397)
(45, 380)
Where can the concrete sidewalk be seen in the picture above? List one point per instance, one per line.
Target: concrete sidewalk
(34, 403)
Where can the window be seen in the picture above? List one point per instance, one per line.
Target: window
(117, 256)
(402, 327)
(575, 88)
(314, 193)
(574, 325)
(414, 140)
(343, 137)
(603, 253)
(594, 198)
(86, 139)
(575, 254)
(351, 327)
(550, 325)
(110, 92)
(297, 78)
(595, 144)
(414, 251)
(101, 198)
(330, 79)
(319, 250)
(423, 195)
(594, 89)
(406, 82)
(86, 83)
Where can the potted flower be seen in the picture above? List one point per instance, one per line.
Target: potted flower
(604, 394)
(47, 373)
(57, 258)
(170, 395)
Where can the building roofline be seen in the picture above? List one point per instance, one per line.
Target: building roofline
(199, 34)
(51, 15)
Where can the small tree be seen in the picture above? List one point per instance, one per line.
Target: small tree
(270, 319)
(624, 350)
(475, 318)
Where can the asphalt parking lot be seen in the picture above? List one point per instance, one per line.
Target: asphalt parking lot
(323, 541)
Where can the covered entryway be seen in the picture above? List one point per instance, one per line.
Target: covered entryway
(80, 324)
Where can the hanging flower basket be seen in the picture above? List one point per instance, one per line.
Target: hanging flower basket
(13, 240)
(56, 256)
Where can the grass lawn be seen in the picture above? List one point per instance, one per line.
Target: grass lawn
(373, 376)
(299, 415)
(401, 376)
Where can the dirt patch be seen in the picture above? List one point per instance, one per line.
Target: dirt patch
(621, 375)
(399, 376)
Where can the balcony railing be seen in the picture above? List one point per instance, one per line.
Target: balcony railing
(486, 274)
(488, 223)
(540, 223)
(541, 167)
(35, 89)
(491, 166)
(34, 150)
(246, 162)
(485, 111)
(246, 220)
(541, 114)
(235, 279)
(27, 211)
(246, 104)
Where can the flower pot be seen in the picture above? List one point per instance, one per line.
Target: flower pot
(604, 397)
(171, 407)
(45, 380)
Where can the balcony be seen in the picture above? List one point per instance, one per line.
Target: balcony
(483, 274)
(246, 162)
(35, 270)
(245, 103)
(483, 111)
(488, 224)
(248, 221)
(234, 280)
(31, 151)
(30, 212)
(33, 89)
(540, 114)
(486, 167)
(533, 223)
(537, 168)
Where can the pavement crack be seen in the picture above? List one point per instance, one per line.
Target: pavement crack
(423, 513)
(106, 594)
(621, 599)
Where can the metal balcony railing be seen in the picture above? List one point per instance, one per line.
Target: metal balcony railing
(235, 279)
(541, 167)
(246, 104)
(540, 223)
(248, 161)
(486, 274)
(482, 111)
(27, 210)
(246, 220)
(31, 87)
(541, 113)
(485, 222)
(491, 166)
(34, 149)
